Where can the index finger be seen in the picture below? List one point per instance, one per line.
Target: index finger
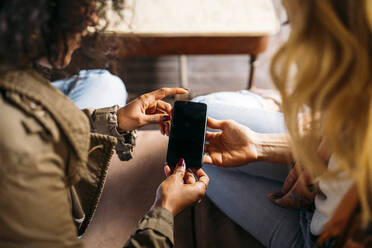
(189, 177)
(202, 176)
(212, 137)
(167, 171)
(297, 197)
(290, 180)
(163, 92)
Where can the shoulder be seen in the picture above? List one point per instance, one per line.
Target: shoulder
(24, 134)
(12, 129)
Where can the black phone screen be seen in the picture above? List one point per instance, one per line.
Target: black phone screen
(187, 134)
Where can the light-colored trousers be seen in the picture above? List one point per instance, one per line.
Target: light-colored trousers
(240, 192)
(94, 89)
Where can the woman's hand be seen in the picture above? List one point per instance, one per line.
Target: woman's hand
(148, 108)
(180, 189)
(233, 146)
(297, 191)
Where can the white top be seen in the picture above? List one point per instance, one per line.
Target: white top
(334, 190)
(197, 17)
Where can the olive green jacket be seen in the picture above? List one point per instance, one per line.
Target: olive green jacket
(53, 164)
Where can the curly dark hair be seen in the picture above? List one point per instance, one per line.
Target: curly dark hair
(30, 30)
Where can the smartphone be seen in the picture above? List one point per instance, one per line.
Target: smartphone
(187, 134)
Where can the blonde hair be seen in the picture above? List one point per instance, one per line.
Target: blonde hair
(325, 70)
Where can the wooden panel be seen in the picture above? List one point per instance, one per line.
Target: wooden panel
(206, 73)
(134, 46)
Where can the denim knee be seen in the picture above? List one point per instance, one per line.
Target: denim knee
(110, 87)
(94, 89)
(98, 89)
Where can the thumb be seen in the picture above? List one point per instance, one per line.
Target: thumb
(214, 124)
(156, 118)
(180, 168)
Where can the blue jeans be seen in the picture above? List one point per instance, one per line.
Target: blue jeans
(240, 192)
(94, 89)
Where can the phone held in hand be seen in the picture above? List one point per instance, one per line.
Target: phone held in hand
(187, 134)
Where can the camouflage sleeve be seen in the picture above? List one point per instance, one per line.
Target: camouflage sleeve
(154, 230)
(104, 121)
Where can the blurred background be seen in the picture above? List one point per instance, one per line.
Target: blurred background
(146, 63)
(206, 73)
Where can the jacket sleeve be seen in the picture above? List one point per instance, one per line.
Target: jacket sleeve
(155, 230)
(104, 121)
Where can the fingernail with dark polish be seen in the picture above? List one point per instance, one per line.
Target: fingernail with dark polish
(165, 118)
(187, 89)
(181, 162)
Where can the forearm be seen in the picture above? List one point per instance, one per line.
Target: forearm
(154, 230)
(274, 148)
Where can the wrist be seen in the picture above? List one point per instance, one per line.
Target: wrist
(119, 120)
(260, 145)
(273, 148)
(122, 120)
(162, 204)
